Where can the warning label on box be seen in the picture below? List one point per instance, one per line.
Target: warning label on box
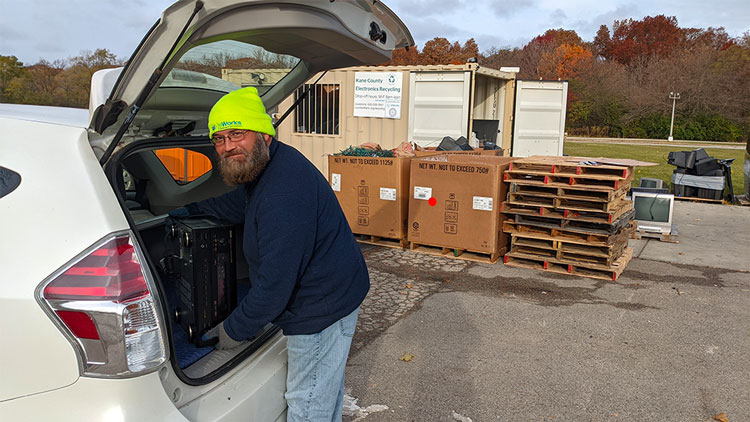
(422, 193)
(482, 203)
(387, 194)
(336, 182)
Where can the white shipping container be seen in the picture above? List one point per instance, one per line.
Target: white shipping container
(539, 125)
(430, 102)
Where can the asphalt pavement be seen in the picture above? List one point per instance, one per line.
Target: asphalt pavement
(442, 339)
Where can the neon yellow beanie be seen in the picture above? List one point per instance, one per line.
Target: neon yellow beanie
(240, 109)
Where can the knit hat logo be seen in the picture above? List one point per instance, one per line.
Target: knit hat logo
(240, 109)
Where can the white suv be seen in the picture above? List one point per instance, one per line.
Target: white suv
(89, 330)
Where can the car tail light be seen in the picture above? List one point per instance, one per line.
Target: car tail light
(105, 303)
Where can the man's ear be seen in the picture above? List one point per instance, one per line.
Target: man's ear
(268, 139)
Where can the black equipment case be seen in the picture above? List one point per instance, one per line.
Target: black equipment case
(207, 284)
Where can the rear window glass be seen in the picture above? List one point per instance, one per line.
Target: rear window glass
(228, 65)
(184, 165)
(9, 181)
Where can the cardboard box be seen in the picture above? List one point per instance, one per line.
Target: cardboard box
(454, 202)
(373, 192)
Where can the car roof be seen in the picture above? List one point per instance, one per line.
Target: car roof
(66, 116)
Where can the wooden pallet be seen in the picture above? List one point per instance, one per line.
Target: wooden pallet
(563, 203)
(556, 180)
(581, 237)
(589, 194)
(531, 199)
(571, 192)
(563, 165)
(574, 252)
(577, 269)
(572, 204)
(573, 199)
(381, 241)
(522, 208)
(457, 253)
(556, 166)
(672, 237)
(582, 226)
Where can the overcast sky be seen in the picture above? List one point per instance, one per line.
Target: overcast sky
(59, 29)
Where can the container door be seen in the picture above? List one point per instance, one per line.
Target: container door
(438, 106)
(539, 120)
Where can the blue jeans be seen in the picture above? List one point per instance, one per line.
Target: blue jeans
(315, 380)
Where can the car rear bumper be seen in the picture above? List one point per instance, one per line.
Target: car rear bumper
(94, 399)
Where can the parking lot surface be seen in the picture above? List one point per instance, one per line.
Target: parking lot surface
(442, 339)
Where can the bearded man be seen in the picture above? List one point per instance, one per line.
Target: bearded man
(307, 272)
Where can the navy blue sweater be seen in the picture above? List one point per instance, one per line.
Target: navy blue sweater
(306, 268)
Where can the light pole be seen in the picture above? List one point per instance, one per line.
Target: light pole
(674, 96)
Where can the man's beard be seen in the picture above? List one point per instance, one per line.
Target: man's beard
(237, 172)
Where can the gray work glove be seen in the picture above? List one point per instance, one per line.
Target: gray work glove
(179, 212)
(225, 342)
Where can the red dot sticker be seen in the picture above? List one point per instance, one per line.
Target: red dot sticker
(432, 202)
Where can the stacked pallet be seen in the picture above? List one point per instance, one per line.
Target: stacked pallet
(569, 217)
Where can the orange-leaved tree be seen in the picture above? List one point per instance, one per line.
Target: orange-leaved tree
(565, 62)
(402, 57)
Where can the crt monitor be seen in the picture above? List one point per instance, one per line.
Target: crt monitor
(486, 129)
(653, 211)
(648, 182)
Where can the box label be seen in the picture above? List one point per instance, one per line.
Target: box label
(336, 182)
(387, 194)
(482, 203)
(422, 193)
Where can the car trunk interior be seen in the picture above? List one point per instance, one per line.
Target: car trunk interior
(147, 190)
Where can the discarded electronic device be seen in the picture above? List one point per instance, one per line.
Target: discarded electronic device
(653, 211)
(207, 284)
(648, 182)
(650, 190)
(699, 175)
(450, 144)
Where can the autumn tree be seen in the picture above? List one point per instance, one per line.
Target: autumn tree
(440, 51)
(36, 85)
(599, 106)
(619, 83)
(74, 82)
(461, 54)
(547, 43)
(556, 37)
(496, 58)
(602, 41)
(713, 38)
(634, 40)
(436, 51)
(403, 57)
(60, 83)
(565, 62)
(10, 68)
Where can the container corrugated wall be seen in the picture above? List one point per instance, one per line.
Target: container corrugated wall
(389, 133)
